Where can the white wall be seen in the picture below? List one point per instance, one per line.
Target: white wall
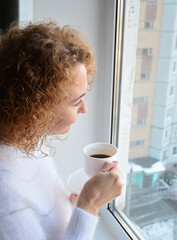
(25, 10)
(95, 19)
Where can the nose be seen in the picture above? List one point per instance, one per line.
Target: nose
(83, 108)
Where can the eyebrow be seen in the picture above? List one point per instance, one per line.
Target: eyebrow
(79, 97)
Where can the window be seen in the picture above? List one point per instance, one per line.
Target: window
(144, 51)
(148, 25)
(140, 100)
(167, 134)
(141, 122)
(165, 154)
(169, 112)
(174, 150)
(137, 143)
(150, 206)
(171, 92)
(175, 132)
(145, 76)
(174, 69)
(175, 42)
(147, 51)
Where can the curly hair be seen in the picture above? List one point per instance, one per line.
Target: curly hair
(35, 64)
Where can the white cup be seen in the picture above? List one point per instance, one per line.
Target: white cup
(92, 164)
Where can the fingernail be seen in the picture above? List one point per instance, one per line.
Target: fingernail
(75, 195)
(115, 161)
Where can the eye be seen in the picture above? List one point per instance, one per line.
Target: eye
(77, 104)
(81, 99)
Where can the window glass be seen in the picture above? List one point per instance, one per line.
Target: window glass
(174, 66)
(175, 42)
(151, 193)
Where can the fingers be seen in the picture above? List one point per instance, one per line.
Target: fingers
(114, 172)
(73, 199)
(107, 166)
(102, 188)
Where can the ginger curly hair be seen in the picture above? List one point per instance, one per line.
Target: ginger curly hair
(35, 64)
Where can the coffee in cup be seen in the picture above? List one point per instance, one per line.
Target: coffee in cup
(95, 154)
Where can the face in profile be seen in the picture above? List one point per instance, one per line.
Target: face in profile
(67, 110)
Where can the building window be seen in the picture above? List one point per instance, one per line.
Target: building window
(174, 150)
(176, 42)
(174, 69)
(144, 52)
(165, 154)
(147, 51)
(169, 112)
(140, 100)
(171, 92)
(167, 134)
(137, 143)
(141, 122)
(145, 76)
(148, 25)
(175, 133)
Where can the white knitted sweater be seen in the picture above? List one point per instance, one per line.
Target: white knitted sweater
(33, 202)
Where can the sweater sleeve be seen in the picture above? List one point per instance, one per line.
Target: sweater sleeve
(81, 226)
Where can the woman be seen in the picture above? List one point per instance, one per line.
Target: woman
(44, 74)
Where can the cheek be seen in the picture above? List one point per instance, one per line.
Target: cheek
(71, 117)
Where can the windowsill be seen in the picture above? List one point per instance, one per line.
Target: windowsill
(109, 228)
(103, 232)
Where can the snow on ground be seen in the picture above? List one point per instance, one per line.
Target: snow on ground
(163, 230)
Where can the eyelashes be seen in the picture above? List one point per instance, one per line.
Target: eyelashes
(82, 99)
(77, 104)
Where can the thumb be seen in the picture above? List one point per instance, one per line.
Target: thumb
(107, 166)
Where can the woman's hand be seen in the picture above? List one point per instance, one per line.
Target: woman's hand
(101, 188)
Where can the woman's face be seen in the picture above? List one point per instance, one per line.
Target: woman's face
(74, 104)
